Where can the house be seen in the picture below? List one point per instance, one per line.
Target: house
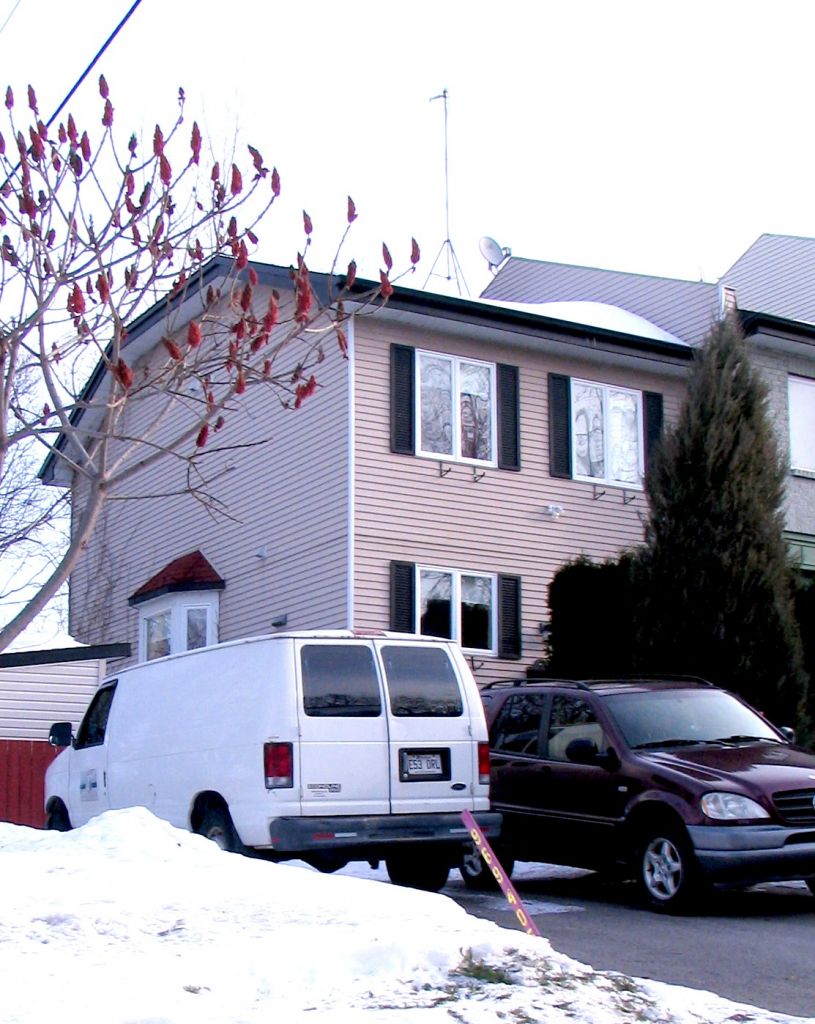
(442, 472)
(772, 287)
(38, 687)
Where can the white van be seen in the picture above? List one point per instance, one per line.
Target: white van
(324, 746)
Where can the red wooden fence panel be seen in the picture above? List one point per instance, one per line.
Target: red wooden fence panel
(22, 780)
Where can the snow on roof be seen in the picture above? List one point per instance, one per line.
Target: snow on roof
(594, 314)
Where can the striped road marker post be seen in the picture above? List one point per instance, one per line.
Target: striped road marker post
(500, 876)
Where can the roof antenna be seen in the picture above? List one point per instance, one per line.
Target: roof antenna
(454, 271)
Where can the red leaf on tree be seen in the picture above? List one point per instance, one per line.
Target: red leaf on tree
(307, 226)
(164, 169)
(275, 182)
(385, 287)
(303, 293)
(103, 287)
(386, 256)
(415, 253)
(37, 148)
(342, 341)
(107, 116)
(240, 383)
(232, 228)
(133, 145)
(272, 314)
(32, 99)
(158, 142)
(194, 334)
(173, 349)
(85, 146)
(216, 172)
(103, 87)
(305, 391)
(253, 277)
(246, 297)
(195, 142)
(242, 262)
(203, 434)
(9, 98)
(352, 211)
(257, 161)
(351, 274)
(219, 424)
(253, 238)
(122, 372)
(2, 144)
(72, 132)
(236, 184)
(267, 368)
(76, 301)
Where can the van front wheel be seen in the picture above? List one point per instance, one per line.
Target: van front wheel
(217, 826)
(418, 871)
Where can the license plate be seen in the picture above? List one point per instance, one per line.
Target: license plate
(423, 764)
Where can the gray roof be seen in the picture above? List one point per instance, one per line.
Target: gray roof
(686, 309)
(776, 276)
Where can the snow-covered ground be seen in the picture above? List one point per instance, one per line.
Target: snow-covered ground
(131, 921)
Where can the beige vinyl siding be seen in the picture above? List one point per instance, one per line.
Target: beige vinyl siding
(277, 531)
(405, 510)
(33, 697)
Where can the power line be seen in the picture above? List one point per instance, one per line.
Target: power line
(89, 68)
(8, 19)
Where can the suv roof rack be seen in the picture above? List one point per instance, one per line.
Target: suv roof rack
(589, 684)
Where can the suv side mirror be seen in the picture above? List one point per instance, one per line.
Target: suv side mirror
(585, 751)
(61, 734)
(788, 733)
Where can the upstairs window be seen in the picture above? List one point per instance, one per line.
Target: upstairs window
(455, 408)
(802, 425)
(601, 433)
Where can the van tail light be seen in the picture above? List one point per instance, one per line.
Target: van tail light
(278, 765)
(484, 763)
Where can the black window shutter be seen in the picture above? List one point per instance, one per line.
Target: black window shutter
(560, 418)
(403, 583)
(403, 387)
(653, 422)
(509, 617)
(509, 434)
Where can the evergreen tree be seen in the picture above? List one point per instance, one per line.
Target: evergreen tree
(714, 579)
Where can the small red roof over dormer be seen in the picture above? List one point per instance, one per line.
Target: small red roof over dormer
(190, 572)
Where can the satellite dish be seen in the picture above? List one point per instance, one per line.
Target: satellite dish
(491, 251)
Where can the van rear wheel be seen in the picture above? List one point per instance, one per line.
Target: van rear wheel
(418, 871)
(217, 826)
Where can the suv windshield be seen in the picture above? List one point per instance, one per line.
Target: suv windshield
(656, 718)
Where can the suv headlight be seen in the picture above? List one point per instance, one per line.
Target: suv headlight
(730, 807)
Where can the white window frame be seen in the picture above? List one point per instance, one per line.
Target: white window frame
(455, 601)
(607, 478)
(455, 392)
(801, 398)
(177, 606)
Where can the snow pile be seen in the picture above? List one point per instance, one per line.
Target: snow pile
(131, 921)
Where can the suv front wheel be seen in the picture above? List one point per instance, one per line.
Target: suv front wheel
(666, 869)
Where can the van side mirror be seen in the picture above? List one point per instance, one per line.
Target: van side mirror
(61, 734)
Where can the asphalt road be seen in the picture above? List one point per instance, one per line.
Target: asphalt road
(756, 946)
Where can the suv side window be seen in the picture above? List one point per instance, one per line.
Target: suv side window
(91, 732)
(517, 728)
(340, 681)
(571, 719)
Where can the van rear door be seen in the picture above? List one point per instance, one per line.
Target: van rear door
(343, 750)
(433, 752)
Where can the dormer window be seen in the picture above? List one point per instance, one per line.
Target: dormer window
(178, 608)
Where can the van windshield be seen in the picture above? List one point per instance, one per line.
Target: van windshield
(422, 682)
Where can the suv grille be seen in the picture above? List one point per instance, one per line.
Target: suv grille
(796, 806)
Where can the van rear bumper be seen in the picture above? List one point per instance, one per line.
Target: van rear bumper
(375, 832)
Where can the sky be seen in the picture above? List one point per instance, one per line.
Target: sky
(129, 920)
(660, 138)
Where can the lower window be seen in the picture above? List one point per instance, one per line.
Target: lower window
(457, 606)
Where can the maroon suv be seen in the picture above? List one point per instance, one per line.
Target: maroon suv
(677, 782)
